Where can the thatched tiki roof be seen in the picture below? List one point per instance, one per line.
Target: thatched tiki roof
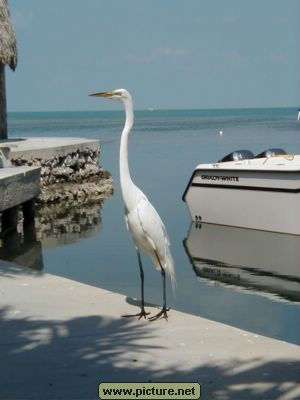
(8, 56)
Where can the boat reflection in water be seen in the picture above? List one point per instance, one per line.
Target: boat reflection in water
(264, 262)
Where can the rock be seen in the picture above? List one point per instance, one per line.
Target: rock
(75, 176)
(62, 171)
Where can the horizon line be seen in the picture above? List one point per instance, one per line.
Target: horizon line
(151, 109)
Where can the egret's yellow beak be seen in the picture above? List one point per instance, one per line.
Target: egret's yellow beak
(102, 94)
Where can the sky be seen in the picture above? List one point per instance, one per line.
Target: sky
(170, 54)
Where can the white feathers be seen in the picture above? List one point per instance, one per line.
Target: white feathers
(149, 234)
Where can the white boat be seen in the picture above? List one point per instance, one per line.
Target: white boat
(261, 192)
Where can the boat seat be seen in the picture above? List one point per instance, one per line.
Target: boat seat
(271, 153)
(238, 155)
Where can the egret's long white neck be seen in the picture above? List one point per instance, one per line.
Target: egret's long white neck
(125, 178)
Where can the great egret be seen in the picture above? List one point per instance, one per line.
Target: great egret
(142, 220)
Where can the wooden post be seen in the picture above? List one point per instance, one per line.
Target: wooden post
(29, 232)
(28, 211)
(3, 112)
(10, 220)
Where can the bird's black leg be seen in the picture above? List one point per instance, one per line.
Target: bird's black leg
(163, 311)
(143, 312)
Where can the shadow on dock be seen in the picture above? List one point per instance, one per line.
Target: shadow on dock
(82, 351)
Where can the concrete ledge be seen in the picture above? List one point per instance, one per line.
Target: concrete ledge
(70, 168)
(18, 185)
(49, 147)
(59, 339)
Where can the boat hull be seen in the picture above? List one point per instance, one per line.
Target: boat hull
(251, 198)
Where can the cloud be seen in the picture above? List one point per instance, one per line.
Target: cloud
(140, 58)
(175, 52)
(233, 57)
(22, 20)
(156, 54)
(229, 20)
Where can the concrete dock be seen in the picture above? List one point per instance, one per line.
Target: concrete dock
(19, 186)
(49, 147)
(70, 168)
(59, 339)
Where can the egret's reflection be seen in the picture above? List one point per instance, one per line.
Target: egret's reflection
(266, 262)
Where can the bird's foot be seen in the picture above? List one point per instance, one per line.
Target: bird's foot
(162, 313)
(141, 314)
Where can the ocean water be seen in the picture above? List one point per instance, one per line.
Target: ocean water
(91, 244)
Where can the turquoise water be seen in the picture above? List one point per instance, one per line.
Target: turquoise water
(164, 148)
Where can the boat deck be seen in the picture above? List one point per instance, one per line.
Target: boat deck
(287, 162)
